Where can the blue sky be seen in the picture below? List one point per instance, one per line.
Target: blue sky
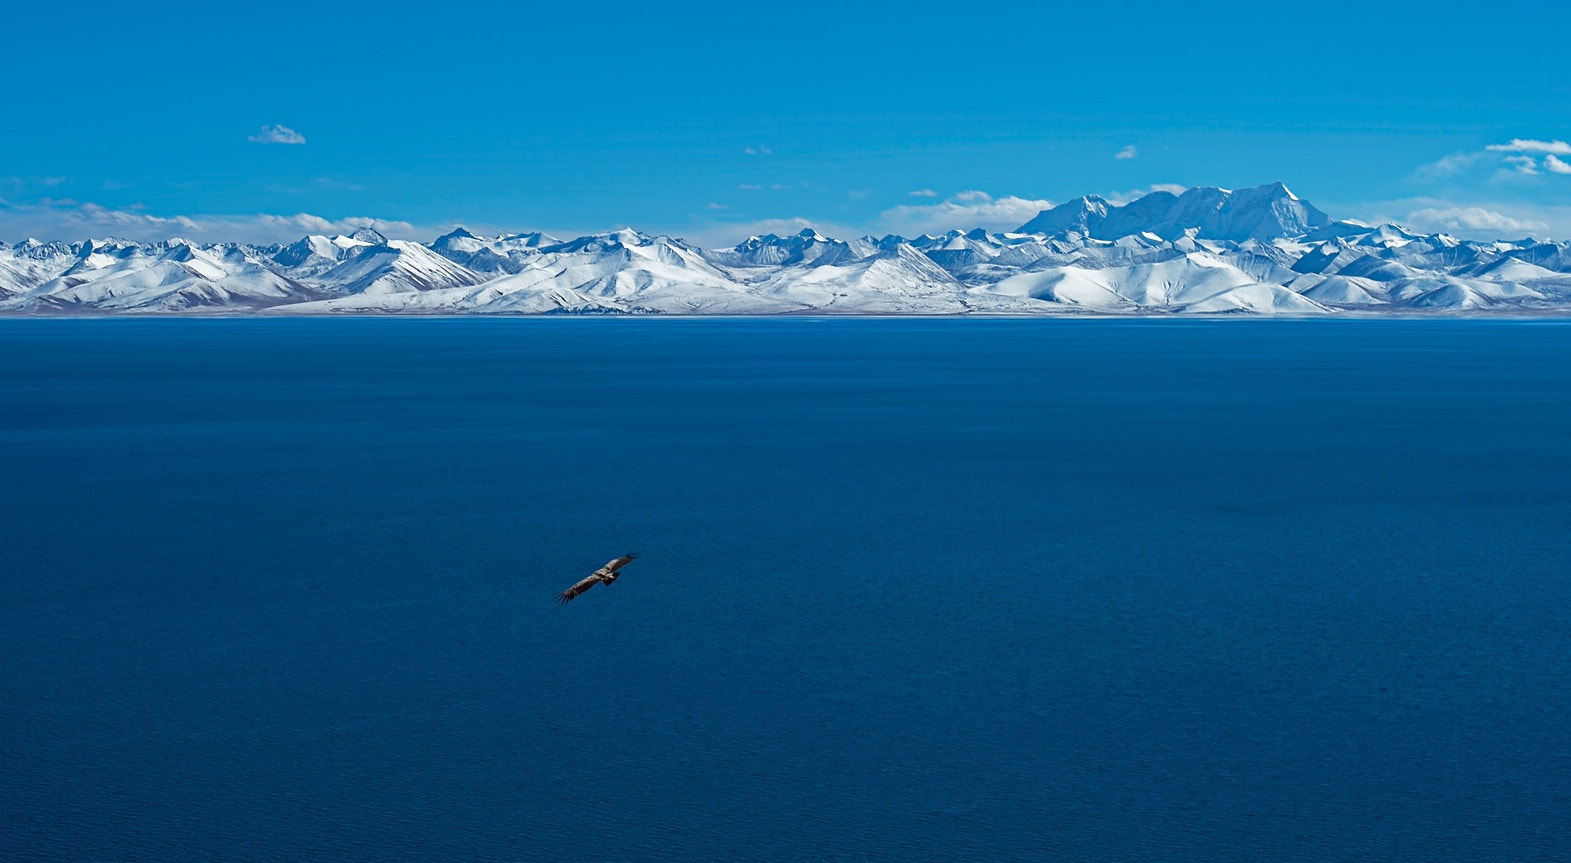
(715, 122)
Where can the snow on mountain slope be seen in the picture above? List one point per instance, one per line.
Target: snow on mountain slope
(396, 266)
(1340, 290)
(807, 248)
(177, 277)
(1083, 216)
(495, 255)
(1197, 282)
(1205, 251)
(620, 271)
(316, 254)
(892, 281)
(1260, 213)
(1508, 270)
(31, 263)
(490, 298)
(1257, 298)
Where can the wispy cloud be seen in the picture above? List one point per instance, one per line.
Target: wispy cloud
(1523, 164)
(923, 193)
(758, 151)
(71, 221)
(1476, 221)
(1474, 218)
(1122, 198)
(965, 210)
(1451, 166)
(25, 185)
(713, 205)
(1528, 145)
(1128, 152)
(749, 186)
(277, 134)
(1513, 160)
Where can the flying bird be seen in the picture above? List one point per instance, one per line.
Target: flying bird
(604, 575)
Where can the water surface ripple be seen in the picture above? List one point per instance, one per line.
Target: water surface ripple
(949, 590)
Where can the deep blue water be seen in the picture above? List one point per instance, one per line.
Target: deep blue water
(281, 590)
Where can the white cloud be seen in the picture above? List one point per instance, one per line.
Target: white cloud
(1510, 162)
(1474, 218)
(758, 151)
(1527, 145)
(966, 210)
(1128, 152)
(27, 185)
(277, 134)
(749, 186)
(1523, 164)
(923, 193)
(1450, 166)
(72, 222)
(717, 206)
(1476, 221)
(1121, 198)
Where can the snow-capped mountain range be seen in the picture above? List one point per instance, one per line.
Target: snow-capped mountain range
(1205, 251)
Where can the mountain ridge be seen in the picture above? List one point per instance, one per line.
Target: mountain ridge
(1206, 250)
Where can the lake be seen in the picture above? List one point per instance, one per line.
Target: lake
(934, 589)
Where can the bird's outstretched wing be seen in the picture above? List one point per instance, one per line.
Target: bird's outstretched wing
(572, 593)
(615, 565)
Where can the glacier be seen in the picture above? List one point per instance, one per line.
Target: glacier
(1207, 251)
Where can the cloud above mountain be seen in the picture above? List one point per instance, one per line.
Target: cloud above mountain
(1121, 198)
(1473, 221)
(1475, 217)
(1517, 158)
(66, 220)
(969, 209)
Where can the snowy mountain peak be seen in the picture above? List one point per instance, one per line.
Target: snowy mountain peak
(368, 235)
(33, 249)
(1205, 250)
(458, 240)
(807, 247)
(1081, 215)
(1262, 213)
(531, 240)
(178, 250)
